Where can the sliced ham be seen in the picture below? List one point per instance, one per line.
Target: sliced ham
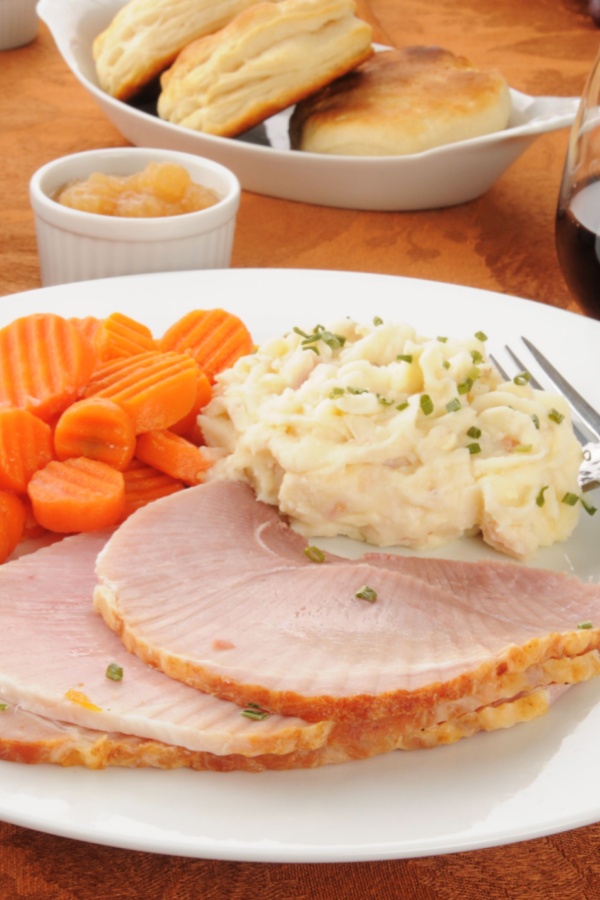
(55, 650)
(29, 738)
(212, 567)
(148, 719)
(63, 709)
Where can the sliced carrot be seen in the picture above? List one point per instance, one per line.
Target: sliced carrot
(77, 495)
(87, 326)
(118, 335)
(32, 528)
(12, 523)
(172, 454)
(215, 337)
(44, 364)
(25, 447)
(144, 483)
(98, 429)
(187, 426)
(155, 389)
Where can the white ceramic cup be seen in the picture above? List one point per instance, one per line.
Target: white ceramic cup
(18, 23)
(78, 246)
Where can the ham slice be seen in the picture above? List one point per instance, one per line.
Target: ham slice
(29, 738)
(212, 567)
(63, 710)
(48, 618)
(55, 649)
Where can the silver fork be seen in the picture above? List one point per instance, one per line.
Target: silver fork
(586, 420)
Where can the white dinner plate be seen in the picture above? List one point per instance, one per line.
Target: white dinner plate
(531, 780)
(263, 162)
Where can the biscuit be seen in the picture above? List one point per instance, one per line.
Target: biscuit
(402, 102)
(145, 37)
(266, 59)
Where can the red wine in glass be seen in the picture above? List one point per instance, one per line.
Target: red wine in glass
(578, 243)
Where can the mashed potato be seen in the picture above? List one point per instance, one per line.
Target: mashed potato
(379, 434)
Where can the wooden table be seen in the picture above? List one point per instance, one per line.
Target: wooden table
(504, 242)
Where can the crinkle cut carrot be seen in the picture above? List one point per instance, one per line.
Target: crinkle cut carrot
(172, 454)
(155, 389)
(25, 447)
(44, 364)
(188, 426)
(32, 528)
(118, 335)
(12, 523)
(215, 337)
(144, 483)
(87, 326)
(98, 429)
(77, 495)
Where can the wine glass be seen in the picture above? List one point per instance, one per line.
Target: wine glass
(578, 212)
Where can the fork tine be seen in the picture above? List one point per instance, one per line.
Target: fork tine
(587, 413)
(532, 380)
(503, 373)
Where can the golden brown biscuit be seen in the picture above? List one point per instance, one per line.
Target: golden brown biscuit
(266, 59)
(145, 36)
(401, 102)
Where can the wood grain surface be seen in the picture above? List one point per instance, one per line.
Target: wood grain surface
(503, 242)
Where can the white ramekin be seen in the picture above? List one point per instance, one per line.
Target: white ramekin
(18, 23)
(78, 246)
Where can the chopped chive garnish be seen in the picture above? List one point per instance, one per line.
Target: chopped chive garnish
(481, 336)
(3, 707)
(536, 421)
(366, 593)
(465, 386)
(522, 378)
(254, 711)
(590, 510)
(355, 390)
(405, 357)
(587, 624)
(555, 416)
(540, 499)
(315, 554)
(474, 432)
(319, 333)
(453, 405)
(446, 364)
(523, 448)
(570, 499)
(442, 339)
(426, 404)
(114, 672)
(377, 320)
(336, 392)
(335, 341)
(385, 401)
(476, 356)
(474, 448)
(401, 406)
